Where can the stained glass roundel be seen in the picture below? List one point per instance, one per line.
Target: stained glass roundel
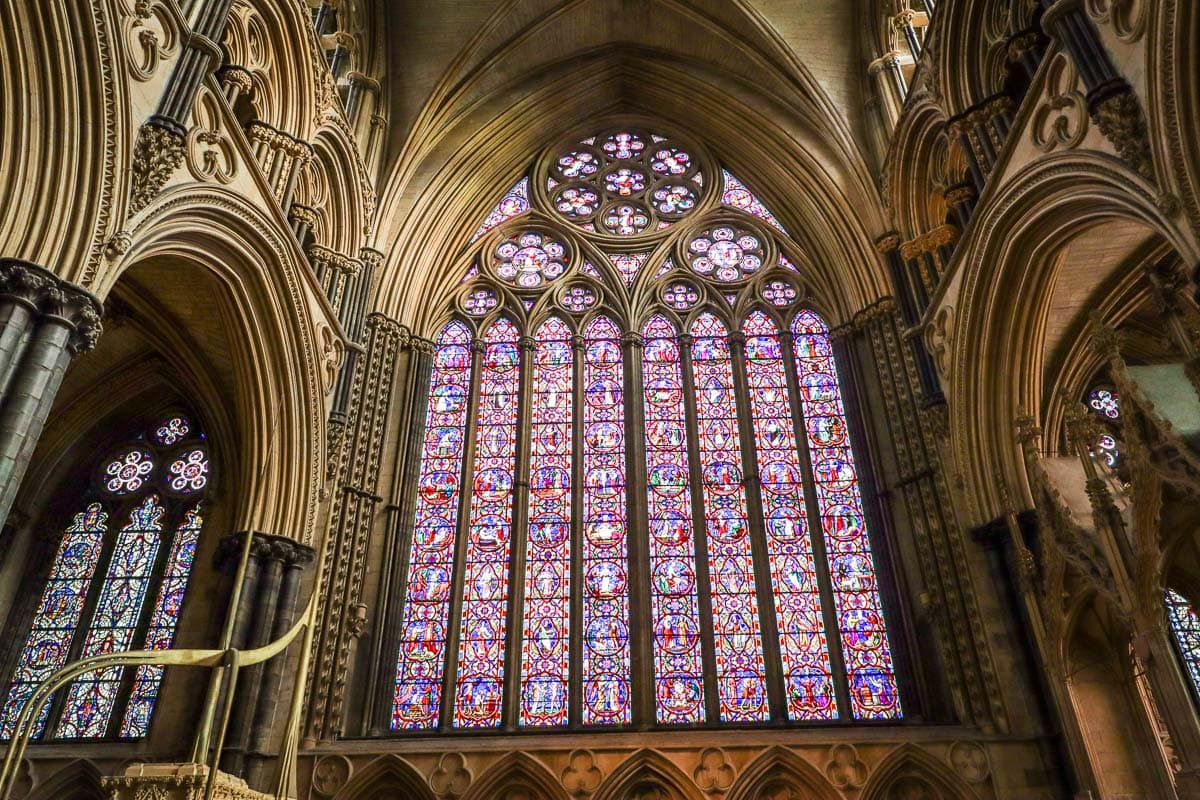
(530, 259)
(129, 471)
(624, 183)
(726, 253)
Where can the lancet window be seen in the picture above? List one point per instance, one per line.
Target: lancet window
(116, 582)
(637, 498)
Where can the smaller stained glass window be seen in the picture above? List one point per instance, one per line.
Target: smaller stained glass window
(480, 302)
(129, 472)
(624, 145)
(1186, 626)
(531, 259)
(629, 265)
(725, 253)
(188, 473)
(578, 299)
(1105, 403)
(779, 293)
(736, 195)
(172, 431)
(514, 203)
(681, 296)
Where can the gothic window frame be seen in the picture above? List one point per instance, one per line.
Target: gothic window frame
(179, 533)
(629, 279)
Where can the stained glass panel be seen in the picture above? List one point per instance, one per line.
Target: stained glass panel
(737, 637)
(48, 644)
(546, 647)
(421, 659)
(678, 673)
(161, 631)
(92, 697)
(862, 629)
(1186, 625)
(808, 678)
(188, 472)
(489, 535)
(736, 195)
(514, 203)
(172, 430)
(606, 682)
(1105, 403)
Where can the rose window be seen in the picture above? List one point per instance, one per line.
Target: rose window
(530, 259)
(681, 296)
(172, 430)
(624, 183)
(129, 472)
(479, 302)
(779, 293)
(725, 253)
(578, 299)
(189, 472)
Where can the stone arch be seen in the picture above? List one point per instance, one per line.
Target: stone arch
(517, 776)
(927, 163)
(777, 770)
(972, 50)
(1044, 208)
(384, 778)
(331, 185)
(911, 773)
(1174, 98)
(647, 771)
(283, 345)
(78, 780)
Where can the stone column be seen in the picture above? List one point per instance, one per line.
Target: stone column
(44, 323)
(903, 22)
(159, 149)
(1111, 101)
(884, 72)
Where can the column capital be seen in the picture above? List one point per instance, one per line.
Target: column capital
(54, 299)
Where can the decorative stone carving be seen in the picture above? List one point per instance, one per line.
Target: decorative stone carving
(330, 774)
(150, 38)
(1119, 116)
(175, 782)
(844, 769)
(970, 761)
(210, 151)
(1061, 118)
(581, 776)
(451, 778)
(714, 774)
(1127, 17)
(157, 153)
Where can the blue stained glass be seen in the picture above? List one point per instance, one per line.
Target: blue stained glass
(1186, 626)
(92, 697)
(161, 631)
(546, 648)
(48, 645)
(606, 681)
(737, 637)
(489, 535)
(675, 615)
(862, 628)
(421, 660)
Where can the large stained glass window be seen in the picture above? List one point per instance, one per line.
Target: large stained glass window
(1186, 626)
(637, 502)
(117, 582)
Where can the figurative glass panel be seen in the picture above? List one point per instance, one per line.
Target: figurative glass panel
(489, 533)
(606, 684)
(862, 630)
(58, 614)
(737, 636)
(547, 638)
(808, 678)
(92, 697)
(675, 616)
(1186, 626)
(421, 660)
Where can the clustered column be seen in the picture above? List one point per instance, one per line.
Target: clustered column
(44, 323)
(267, 609)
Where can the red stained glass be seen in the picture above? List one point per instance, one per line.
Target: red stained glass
(606, 682)
(802, 644)
(421, 660)
(546, 647)
(737, 637)
(678, 673)
(480, 680)
(92, 696)
(862, 629)
(161, 631)
(46, 650)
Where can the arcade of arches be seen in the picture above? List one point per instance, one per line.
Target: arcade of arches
(600, 399)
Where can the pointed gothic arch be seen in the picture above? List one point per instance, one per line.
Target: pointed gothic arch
(919, 769)
(642, 773)
(517, 775)
(779, 768)
(78, 780)
(386, 777)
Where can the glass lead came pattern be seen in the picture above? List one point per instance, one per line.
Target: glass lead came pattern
(421, 659)
(629, 265)
(737, 638)
(808, 678)
(530, 259)
(57, 615)
(489, 533)
(92, 696)
(546, 643)
(726, 254)
(165, 617)
(1186, 626)
(188, 474)
(514, 203)
(480, 302)
(678, 682)
(172, 431)
(736, 195)
(606, 668)
(681, 296)
(129, 472)
(864, 639)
